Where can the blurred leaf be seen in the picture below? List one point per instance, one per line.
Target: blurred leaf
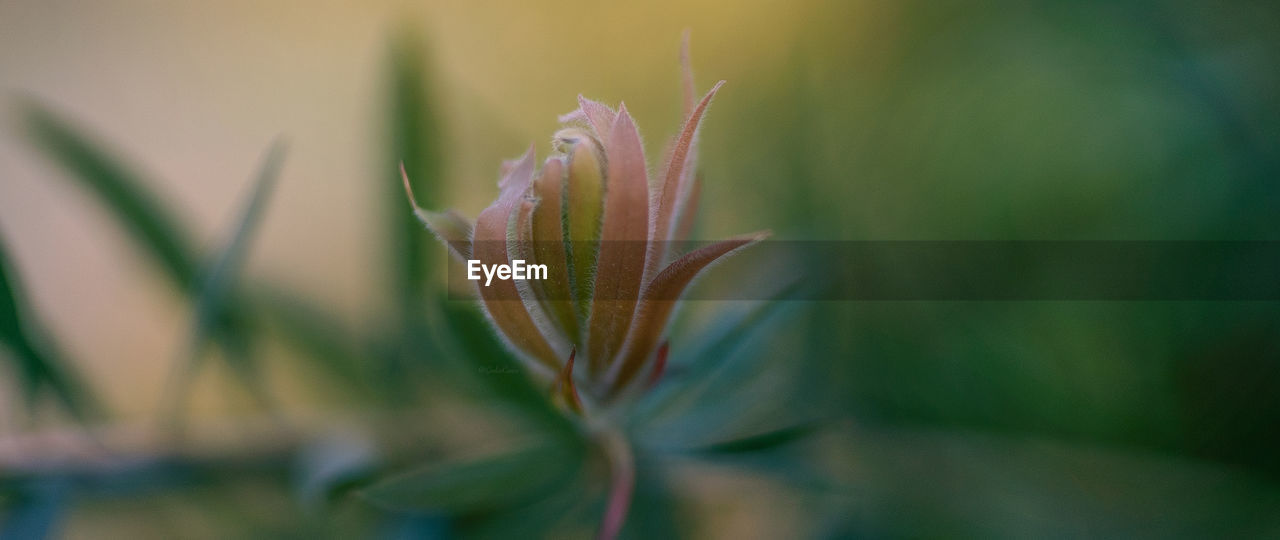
(120, 189)
(486, 484)
(125, 195)
(653, 512)
(762, 441)
(217, 283)
(413, 140)
(558, 513)
(694, 369)
(37, 368)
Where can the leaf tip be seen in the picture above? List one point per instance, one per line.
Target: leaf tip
(408, 188)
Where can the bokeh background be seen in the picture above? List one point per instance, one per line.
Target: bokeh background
(863, 120)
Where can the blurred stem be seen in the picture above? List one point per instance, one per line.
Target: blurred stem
(622, 481)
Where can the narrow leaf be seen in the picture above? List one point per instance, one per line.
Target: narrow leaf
(501, 299)
(120, 189)
(159, 233)
(686, 214)
(599, 116)
(658, 301)
(520, 247)
(413, 140)
(582, 213)
(215, 292)
(548, 247)
(37, 368)
(623, 246)
(217, 282)
(760, 442)
(671, 186)
(449, 226)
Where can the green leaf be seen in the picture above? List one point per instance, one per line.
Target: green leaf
(658, 301)
(655, 505)
(558, 512)
(124, 193)
(216, 284)
(39, 368)
(760, 442)
(413, 139)
(122, 190)
(701, 365)
(486, 484)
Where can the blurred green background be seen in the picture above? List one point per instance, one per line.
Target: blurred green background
(1091, 120)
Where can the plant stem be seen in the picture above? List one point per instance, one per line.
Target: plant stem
(622, 472)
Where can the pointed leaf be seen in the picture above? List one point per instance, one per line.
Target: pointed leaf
(413, 137)
(520, 247)
(120, 189)
(215, 292)
(760, 442)
(448, 227)
(670, 188)
(159, 233)
(217, 282)
(599, 116)
(546, 237)
(583, 214)
(451, 228)
(658, 301)
(623, 246)
(11, 324)
(501, 299)
(686, 214)
(37, 369)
